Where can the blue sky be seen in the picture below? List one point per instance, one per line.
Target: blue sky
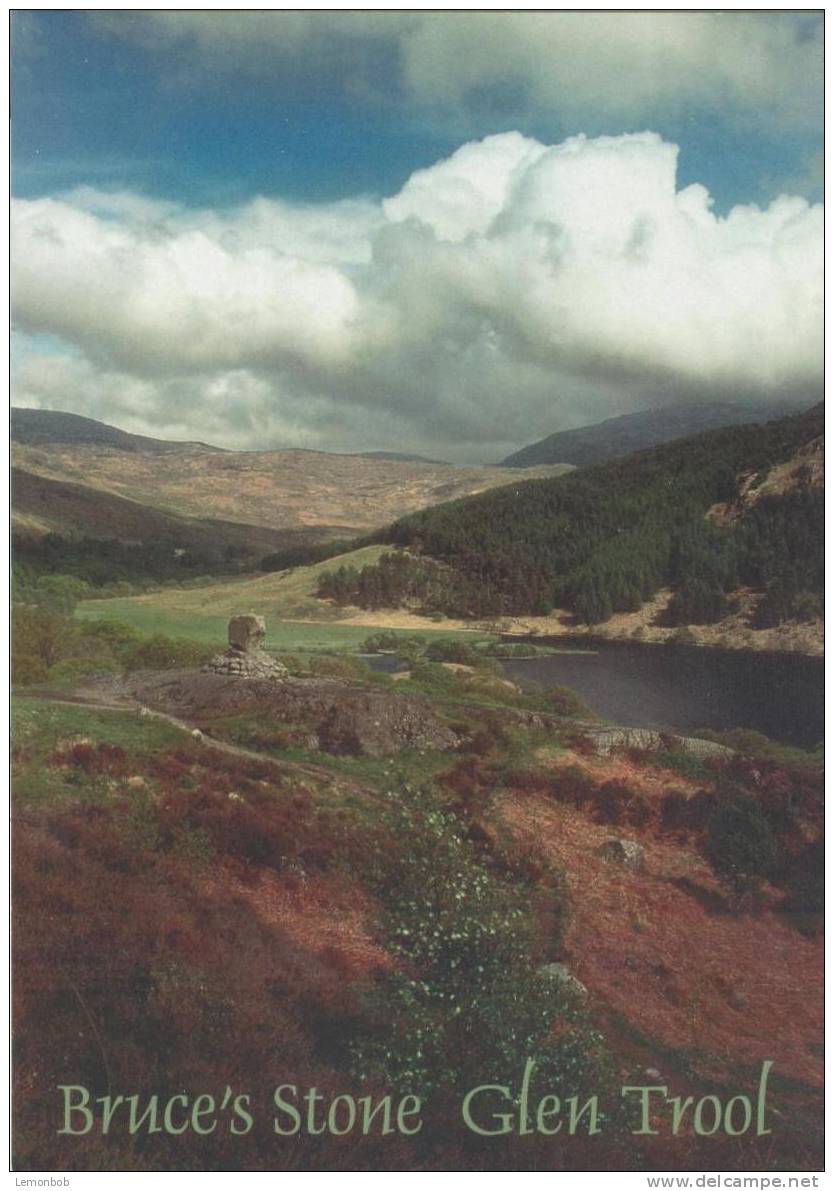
(94, 105)
(187, 121)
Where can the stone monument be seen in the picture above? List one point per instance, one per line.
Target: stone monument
(246, 657)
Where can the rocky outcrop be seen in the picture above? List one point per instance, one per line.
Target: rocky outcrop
(607, 740)
(340, 719)
(803, 471)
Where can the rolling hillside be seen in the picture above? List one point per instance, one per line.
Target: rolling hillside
(322, 494)
(42, 506)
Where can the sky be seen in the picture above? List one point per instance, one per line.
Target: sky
(449, 233)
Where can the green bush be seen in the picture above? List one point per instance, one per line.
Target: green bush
(391, 642)
(117, 634)
(806, 880)
(90, 664)
(740, 845)
(566, 702)
(166, 653)
(751, 743)
(459, 652)
(434, 678)
(28, 669)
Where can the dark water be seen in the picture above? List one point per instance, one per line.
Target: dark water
(654, 686)
(677, 688)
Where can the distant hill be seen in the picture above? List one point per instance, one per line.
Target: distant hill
(400, 457)
(79, 477)
(634, 432)
(36, 427)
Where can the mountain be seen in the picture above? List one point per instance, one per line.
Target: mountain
(36, 427)
(635, 432)
(608, 537)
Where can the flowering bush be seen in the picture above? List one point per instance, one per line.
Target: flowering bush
(465, 1004)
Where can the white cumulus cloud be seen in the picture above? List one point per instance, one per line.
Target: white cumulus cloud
(510, 290)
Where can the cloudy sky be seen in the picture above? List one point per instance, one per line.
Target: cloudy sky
(449, 232)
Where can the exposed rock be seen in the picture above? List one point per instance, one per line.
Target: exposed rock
(606, 740)
(247, 632)
(336, 717)
(622, 851)
(804, 470)
(245, 657)
(561, 975)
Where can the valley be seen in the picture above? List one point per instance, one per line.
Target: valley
(417, 857)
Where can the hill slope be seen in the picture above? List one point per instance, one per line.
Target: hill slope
(291, 489)
(635, 432)
(42, 506)
(608, 537)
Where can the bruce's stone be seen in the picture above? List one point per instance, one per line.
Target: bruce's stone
(245, 658)
(247, 632)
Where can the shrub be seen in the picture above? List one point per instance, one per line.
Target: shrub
(100, 661)
(572, 785)
(391, 642)
(465, 999)
(680, 761)
(28, 669)
(43, 633)
(740, 844)
(806, 880)
(118, 635)
(453, 651)
(568, 703)
(617, 802)
(166, 653)
(434, 677)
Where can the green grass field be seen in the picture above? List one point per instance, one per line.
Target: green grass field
(295, 619)
(281, 636)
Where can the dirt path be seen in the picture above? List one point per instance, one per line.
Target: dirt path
(71, 699)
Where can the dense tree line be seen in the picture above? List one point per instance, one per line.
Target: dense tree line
(606, 538)
(103, 562)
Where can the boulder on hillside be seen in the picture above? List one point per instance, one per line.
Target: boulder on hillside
(622, 851)
(564, 979)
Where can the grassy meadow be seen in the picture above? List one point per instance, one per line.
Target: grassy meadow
(295, 619)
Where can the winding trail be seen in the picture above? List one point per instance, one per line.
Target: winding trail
(210, 743)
